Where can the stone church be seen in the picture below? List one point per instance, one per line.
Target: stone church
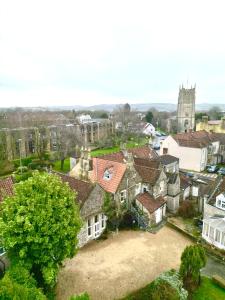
(186, 109)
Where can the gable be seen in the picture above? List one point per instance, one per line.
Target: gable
(93, 204)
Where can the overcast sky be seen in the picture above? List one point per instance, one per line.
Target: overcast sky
(90, 52)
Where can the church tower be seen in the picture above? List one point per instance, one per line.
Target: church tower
(186, 109)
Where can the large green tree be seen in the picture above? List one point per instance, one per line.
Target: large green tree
(149, 117)
(39, 225)
(193, 259)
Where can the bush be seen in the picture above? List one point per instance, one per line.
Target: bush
(19, 284)
(83, 296)
(187, 210)
(219, 281)
(162, 290)
(127, 221)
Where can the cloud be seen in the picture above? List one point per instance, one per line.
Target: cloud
(95, 50)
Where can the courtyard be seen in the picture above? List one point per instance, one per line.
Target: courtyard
(112, 268)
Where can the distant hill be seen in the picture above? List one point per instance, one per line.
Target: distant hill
(170, 107)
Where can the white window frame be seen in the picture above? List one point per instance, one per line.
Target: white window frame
(103, 221)
(89, 226)
(123, 196)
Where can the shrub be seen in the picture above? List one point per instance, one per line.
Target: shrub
(187, 210)
(83, 296)
(19, 284)
(161, 290)
(127, 221)
(219, 281)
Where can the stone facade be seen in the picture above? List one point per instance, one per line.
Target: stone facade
(186, 110)
(91, 208)
(28, 141)
(217, 126)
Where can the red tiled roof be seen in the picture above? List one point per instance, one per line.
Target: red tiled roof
(151, 163)
(147, 174)
(117, 171)
(118, 156)
(82, 188)
(149, 202)
(6, 187)
(196, 139)
(143, 152)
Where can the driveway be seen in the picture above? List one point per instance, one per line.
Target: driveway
(125, 262)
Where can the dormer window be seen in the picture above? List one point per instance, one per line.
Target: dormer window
(220, 201)
(108, 174)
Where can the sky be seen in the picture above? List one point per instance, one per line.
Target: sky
(89, 52)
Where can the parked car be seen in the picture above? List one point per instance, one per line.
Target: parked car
(221, 171)
(156, 147)
(212, 169)
(158, 133)
(189, 174)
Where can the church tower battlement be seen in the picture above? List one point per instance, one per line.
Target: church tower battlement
(186, 109)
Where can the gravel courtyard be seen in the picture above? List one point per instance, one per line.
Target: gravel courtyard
(123, 263)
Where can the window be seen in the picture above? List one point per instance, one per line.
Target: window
(220, 203)
(211, 233)
(144, 190)
(165, 150)
(89, 227)
(96, 219)
(103, 221)
(161, 186)
(217, 238)
(206, 229)
(123, 196)
(223, 239)
(108, 174)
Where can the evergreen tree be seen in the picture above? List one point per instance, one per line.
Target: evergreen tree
(193, 259)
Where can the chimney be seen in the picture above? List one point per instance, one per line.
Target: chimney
(123, 148)
(205, 119)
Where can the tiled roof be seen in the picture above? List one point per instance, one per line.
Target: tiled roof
(151, 163)
(147, 174)
(196, 139)
(117, 171)
(82, 188)
(149, 202)
(6, 187)
(220, 137)
(214, 122)
(184, 182)
(167, 159)
(144, 152)
(118, 157)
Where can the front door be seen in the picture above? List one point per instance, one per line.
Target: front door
(158, 215)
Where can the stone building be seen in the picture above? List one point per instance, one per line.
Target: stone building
(90, 198)
(28, 141)
(217, 126)
(137, 179)
(186, 110)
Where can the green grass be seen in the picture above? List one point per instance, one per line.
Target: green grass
(131, 144)
(209, 291)
(66, 167)
(142, 294)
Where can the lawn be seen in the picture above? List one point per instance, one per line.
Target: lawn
(66, 167)
(131, 144)
(209, 291)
